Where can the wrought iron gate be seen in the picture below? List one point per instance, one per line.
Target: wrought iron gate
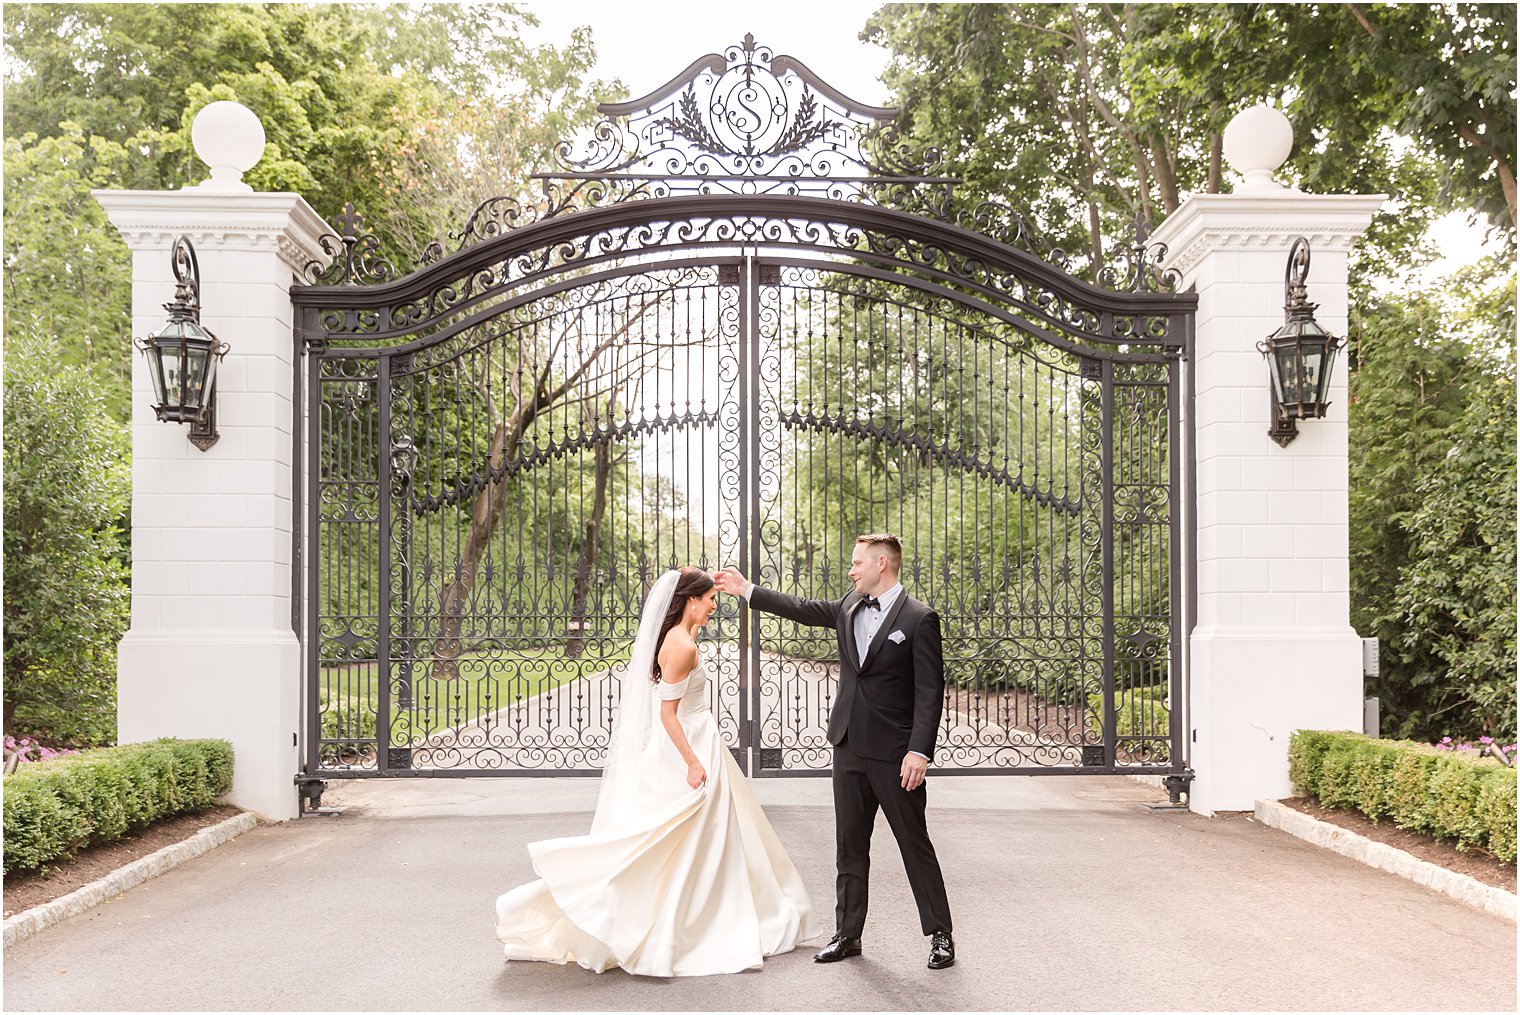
(743, 329)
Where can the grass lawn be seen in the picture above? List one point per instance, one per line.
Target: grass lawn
(487, 681)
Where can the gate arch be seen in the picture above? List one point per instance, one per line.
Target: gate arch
(734, 357)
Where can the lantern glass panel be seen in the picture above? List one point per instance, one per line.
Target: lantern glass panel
(1326, 370)
(184, 365)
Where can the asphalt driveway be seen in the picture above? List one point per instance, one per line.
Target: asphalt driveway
(1068, 893)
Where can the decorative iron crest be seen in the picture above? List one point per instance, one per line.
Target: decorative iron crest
(748, 122)
(1138, 269)
(355, 255)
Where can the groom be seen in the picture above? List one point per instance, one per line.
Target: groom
(883, 728)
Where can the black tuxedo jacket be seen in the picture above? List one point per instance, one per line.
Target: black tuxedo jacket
(891, 704)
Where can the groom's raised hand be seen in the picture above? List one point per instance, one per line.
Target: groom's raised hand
(731, 581)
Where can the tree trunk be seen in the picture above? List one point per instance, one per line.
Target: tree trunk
(1165, 174)
(1507, 180)
(488, 508)
(583, 573)
(1095, 227)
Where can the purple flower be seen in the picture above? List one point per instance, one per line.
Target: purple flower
(1446, 740)
(1485, 740)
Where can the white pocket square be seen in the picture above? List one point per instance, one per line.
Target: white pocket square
(897, 637)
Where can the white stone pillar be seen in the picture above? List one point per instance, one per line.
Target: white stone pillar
(1273, 650)
(211, 651)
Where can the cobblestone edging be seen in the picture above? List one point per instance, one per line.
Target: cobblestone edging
(33, 921)
(1464, 889)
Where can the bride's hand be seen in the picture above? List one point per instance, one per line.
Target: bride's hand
(696, 775)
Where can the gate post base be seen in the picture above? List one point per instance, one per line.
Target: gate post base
(1251, 690)
(241, 688)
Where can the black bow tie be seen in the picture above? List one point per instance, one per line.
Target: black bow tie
(870, 602)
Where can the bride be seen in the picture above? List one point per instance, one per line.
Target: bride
(681, 874)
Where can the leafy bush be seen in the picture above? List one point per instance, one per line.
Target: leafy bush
(349, 721)
(1458, 593)
(1140, 711)
(55, 808)
(1444, 794)
(66, 596)
(1432, 502)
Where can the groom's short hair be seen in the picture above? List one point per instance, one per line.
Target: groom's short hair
(885, 543)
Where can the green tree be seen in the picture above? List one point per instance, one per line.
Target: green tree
(1458, 592)
(104, 95)
(66, 599)
(1425, 379)
(66, 272)
(1442, 75)
(1086, 116)
(1409, 382)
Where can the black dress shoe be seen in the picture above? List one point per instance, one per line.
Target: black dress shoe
(941, 950)
(839, 947)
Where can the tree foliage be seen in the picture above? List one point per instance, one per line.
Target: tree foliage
(1432, 505)
(66, 600)
(1457, 595)
(1087, 116)
(359, 103)
(67, 274)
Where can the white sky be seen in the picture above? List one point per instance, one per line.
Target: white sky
(647, 44)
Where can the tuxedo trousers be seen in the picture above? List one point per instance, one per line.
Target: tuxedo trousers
(861, 787)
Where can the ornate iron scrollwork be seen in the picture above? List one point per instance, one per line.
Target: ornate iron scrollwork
(355, 255)
(748, 121)
(800, 307)
(1138, 268)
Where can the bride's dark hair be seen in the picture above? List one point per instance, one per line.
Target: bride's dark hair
(693, 582)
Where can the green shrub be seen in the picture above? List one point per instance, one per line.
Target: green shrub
(349, 721)
(55, 808)
(1138, 712)
(67, 490)
(1448, 796)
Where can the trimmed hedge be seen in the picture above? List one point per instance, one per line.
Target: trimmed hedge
(347, 720)
(1440, 793)
(55, 808)
(1138, 712)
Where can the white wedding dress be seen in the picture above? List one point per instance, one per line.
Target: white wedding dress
(679, 882)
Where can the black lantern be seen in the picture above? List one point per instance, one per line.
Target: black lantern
(183, 356)
(1300, 354)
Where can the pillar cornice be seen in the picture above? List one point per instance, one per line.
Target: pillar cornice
(279, 222)
(1247, 222)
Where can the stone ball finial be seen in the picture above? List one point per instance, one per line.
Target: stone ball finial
(229, 138)
(1256, 144)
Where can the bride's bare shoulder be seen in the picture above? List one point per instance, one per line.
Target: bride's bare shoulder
(678, 655)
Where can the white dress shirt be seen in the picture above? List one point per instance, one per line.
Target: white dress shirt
(867, 623)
